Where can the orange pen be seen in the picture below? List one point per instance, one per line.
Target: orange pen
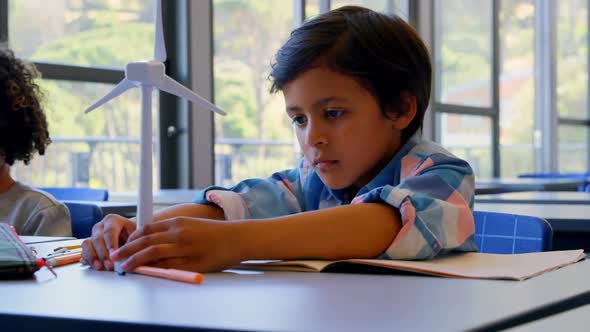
(64, 260)
(172, 274)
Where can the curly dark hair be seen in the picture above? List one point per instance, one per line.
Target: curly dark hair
(23, 125)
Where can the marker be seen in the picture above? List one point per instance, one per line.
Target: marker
(64, 260)
(117, 268)
(172, 274)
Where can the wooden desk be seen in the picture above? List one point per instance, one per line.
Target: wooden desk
(87, 300)
(537, 197)
(504, 185)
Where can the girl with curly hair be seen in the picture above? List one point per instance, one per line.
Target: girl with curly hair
(23, 133)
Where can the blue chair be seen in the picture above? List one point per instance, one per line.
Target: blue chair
(502, 233)
(84, 216)
(77, 194)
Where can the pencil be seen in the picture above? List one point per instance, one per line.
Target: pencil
(64, 260)
(172, 274)
(67, 247)
(63, 252)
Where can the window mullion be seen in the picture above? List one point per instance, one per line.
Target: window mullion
(495, 85)
(588, 80)
(545, 136)
(201, 127)
(173, 114)
(324, 6)
(3, 21)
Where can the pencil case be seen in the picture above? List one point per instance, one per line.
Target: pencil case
(17, 260)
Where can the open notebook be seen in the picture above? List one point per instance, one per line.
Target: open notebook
(460, 265)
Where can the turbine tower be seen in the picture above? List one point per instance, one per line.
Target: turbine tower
(148, 75)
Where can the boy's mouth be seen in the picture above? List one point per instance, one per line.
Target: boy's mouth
(324, 164)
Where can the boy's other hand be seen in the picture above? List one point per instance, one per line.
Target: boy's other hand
(193, 244)
(107, 235)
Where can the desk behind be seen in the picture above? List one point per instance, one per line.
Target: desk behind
(537, 197)
(84, 299)
(504, 185)
(562, 217)
(125, 209)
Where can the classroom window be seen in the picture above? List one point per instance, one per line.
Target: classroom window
(312, 8)
(572, 148)
(256, 138)
(516, 93)
(464, 53)
(468, 137)
(572, 85)
(100, 149)
(465, 112)
(489, 63)
(399, 7)
(85, 33)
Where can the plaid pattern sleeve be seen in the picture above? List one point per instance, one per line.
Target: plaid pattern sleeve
(281, 194)
(435, 198)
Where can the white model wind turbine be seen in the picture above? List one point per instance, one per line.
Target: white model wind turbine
(148, 75)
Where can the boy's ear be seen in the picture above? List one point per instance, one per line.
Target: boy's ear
(408, 111)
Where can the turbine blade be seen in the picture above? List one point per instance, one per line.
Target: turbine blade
(159, 46)
(171, 86)
(123, 86)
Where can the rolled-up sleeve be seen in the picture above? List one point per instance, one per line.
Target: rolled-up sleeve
(435, 200)
(279, 195)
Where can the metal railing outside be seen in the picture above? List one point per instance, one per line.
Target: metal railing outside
(103, 162)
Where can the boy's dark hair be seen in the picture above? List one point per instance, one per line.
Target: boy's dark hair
(23, 126)
(381, 52)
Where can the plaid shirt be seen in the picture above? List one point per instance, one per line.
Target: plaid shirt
(432, 189)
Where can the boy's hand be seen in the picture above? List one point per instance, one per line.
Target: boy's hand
(194, 244)
(107, 235)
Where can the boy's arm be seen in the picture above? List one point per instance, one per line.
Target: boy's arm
(207, 211)
(349, 231)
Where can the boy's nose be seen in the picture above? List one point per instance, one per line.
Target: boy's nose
(316, 135)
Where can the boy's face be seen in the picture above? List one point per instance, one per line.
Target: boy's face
(340, 128)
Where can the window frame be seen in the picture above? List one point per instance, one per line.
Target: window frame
(493, 111)
(185, 132)
(174, 173)
(546, 119)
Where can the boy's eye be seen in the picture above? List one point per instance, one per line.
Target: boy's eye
(333, 113)
(299, 120)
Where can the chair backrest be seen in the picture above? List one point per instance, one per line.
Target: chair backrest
(77, 194)
(84, 216)
(503, 233)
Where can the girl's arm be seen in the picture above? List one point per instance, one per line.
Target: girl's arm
(349, 231)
